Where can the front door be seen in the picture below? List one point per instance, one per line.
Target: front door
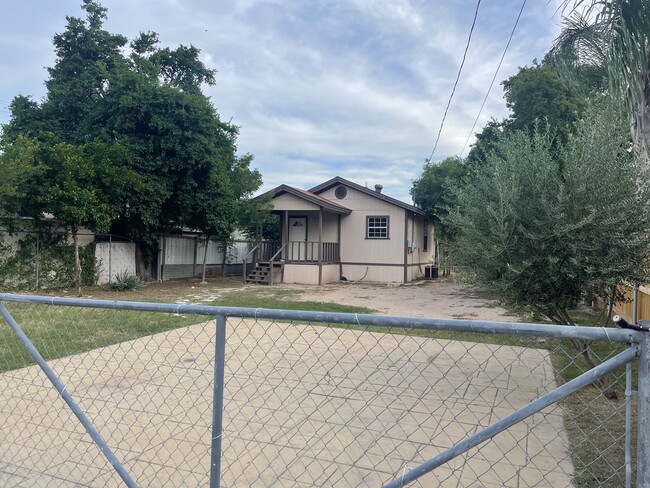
(297, 238)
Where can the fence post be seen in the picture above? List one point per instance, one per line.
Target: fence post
(643, 431)
(110, 258)
(217, 403)
(38, 259)
(635, 304)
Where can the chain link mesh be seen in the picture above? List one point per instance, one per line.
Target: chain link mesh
(304, 404)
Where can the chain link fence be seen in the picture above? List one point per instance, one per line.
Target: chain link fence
(309, 399)
(34, 258)
(44, 259)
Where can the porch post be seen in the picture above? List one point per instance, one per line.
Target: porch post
(406, 237)
(320, 234)
(285, 235)
(338, 238)
(320, 245)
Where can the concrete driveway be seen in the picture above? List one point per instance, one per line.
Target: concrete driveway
(305, 405)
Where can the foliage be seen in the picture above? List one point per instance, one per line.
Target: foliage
(82, 185)
(139, 107)
(614, 34)
(538, 224)
(546, 95)
(539, 97)
(431, 191)
(47, 253)
(486, 142)
(126, 282)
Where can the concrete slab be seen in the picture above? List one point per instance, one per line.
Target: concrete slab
(305, 405)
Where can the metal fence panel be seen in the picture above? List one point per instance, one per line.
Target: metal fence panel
(309, 399)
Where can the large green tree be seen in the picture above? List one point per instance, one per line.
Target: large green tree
(537, 95)
(545, 95)
(432, 190)
(82, 185)
(147, 100)
(539, 222)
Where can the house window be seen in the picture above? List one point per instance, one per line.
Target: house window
(425, 244)
(377, 227)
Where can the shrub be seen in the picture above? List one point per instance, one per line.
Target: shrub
(126, 282)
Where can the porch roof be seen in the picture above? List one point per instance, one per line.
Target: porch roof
(311, 198)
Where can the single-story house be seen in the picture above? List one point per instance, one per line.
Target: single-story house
(340, 230)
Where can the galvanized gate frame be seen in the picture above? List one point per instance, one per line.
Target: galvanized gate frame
(639, 346)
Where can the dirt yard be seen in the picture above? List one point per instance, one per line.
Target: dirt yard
(440, 298)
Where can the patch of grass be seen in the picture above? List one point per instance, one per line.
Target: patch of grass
(596, 430)
(595, 424)
(281, 299)
(63, 331)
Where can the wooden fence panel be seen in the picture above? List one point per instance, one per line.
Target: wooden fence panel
(626, 310)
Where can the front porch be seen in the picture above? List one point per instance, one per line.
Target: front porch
(309, 251)
(307, 262)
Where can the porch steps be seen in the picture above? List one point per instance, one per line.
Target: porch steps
(261, 275)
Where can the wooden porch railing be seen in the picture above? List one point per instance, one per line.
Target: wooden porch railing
(307, 251)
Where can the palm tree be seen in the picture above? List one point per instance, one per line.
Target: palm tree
(615, 34)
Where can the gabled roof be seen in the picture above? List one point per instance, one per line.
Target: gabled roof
(337, 180)
(310, 197)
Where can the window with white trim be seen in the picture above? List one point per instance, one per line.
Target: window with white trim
(377, 227)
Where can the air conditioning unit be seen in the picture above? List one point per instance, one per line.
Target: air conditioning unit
(430, 272)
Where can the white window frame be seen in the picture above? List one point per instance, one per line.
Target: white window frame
(377, 227)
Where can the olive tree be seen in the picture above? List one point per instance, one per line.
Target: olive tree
(540, 225)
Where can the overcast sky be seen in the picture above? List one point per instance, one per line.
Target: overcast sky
(320, 88)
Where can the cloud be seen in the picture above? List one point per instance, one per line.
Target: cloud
(355, 88)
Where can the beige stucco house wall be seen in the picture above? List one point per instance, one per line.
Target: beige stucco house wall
(341, 229)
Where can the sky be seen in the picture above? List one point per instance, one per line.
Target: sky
(319, 88)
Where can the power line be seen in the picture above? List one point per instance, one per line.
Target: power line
(514, 28)
(460, 69)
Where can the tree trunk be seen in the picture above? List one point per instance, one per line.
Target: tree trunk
(77, 261)
(583, 347)
(205, 259)
(225, 258)
(641, 126)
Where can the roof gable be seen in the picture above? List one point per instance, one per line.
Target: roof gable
(310, 197)
(337, 180)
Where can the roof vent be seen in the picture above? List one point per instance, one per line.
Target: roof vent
(379, 188)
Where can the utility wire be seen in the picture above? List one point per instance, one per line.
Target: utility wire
(460, 69)
(514, 28)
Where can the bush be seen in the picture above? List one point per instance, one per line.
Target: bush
(126, 282)
(539, 222)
